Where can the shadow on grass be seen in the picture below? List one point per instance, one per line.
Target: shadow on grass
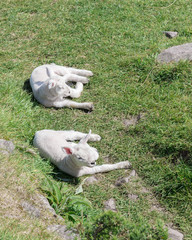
(58, 175)
(27, 86)
(175, 156)
(28, 89)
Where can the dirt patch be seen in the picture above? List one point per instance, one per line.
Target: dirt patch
(133, 120)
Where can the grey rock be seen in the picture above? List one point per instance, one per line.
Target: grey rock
(91, 180)
(176, 53)
(144, 190)
(45, 203)
(133, 173)
(110, 205)
(170, 34)
(157, 208)
(63, 232)
(133, 197)
(121, 181)
(6, 147)
(30, 209)
(174, 234)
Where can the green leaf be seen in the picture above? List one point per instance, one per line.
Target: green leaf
(79, 201)
(57, 193)
(80, 188)
(51, 199)
(72, 216)
(63, 202)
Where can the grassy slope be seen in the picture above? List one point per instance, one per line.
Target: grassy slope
(119, 43)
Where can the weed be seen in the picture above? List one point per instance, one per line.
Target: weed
(64, 201)
(111, 225)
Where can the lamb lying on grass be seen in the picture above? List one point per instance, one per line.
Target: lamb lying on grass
(76, 159)
(50, 88)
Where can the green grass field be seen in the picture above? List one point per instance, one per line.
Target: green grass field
(119, 41)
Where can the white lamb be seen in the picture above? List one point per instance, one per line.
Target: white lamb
(50, 88)
(76, 159)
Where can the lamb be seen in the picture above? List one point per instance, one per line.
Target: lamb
(50, 88)
(76, 159)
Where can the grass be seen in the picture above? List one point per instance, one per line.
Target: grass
(18, 184)
(119, 42)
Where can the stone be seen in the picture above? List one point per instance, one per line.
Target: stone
(110, 205)
(176, 53)
(6, 147)
(144, 190)
(174, 234)
(170, 34)
(133, 173)
(133, 197)
(91, 180)
(63, 232)
(121, 181)
(157, 208)
(45, 204)
(30, 209)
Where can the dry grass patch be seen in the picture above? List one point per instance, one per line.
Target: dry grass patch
(14, 219)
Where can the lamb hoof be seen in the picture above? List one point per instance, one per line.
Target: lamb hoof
(90, 107)
(96, 137)
(85, 80)
(90, 74)
(128, 164)
(124, 165)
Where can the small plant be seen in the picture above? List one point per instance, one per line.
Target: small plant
(64, 201)
(159, 231)
(170, 73)
(113, 226)
(106, 226)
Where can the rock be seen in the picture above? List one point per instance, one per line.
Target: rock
(91, 180)
(133, 173)
(63, 232)
(110, 205)
(45, 203)
(174, 234)
(176, 53)
(133, 197)
(6, 147)
(29, 208)
(157, 208)
(170, 34)
(121, 181)
(144, 190)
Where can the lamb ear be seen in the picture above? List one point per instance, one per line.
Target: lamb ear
(51, 84)
(86, 138)
(50, 72)
(67, 150)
